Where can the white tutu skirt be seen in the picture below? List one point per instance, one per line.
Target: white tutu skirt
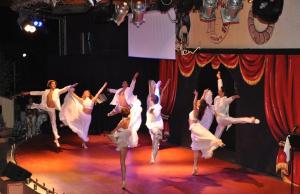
(122, 138)
(204, 140)
(71, 114)
(159, 124)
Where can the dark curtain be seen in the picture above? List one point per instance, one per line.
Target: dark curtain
(168, 69)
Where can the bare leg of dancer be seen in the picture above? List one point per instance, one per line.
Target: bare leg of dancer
(123, 154)
(84, 146)
(156, 137)
(195, 167)
(231, 120)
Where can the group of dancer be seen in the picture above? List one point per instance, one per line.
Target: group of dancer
(76, 111)
(201, 118)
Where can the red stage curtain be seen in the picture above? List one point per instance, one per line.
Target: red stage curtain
(168, 70)
(282, 94)
(186, 64)
(251, 66)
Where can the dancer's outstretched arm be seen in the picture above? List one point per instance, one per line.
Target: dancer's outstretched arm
(32, 93)
(195, 100)
(150, 89)
(231, 99)
(133, 81)
(99, 92)
(113, 91)
(164, 88)
(220, 82)
(65, 89)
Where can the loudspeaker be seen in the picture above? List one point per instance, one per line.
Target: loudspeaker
(16, 172)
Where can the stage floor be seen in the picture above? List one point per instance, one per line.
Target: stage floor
(96, 170)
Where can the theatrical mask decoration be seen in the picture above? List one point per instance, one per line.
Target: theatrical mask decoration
(138, 11)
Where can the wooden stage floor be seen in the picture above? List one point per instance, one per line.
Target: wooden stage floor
(96, 170)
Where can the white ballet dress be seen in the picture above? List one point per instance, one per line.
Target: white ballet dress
(72, 115)
(154, 121)
(202, 139)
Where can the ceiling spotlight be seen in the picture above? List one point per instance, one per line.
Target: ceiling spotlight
(120, 13)
(38, 23)
(207, 12)
(231, 10)
(29, 28)
(138, 10)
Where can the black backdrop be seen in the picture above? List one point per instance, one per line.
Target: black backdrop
(253, 145)
(92, 71)
(106, 61)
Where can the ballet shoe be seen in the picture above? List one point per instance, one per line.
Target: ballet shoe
(195, 172)
(123, 185)
(57, 143)
(84, 146)
(255, 120)
(152, 160)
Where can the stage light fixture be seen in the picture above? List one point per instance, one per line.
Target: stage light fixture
(38, 23)
(138, 11)
(230, 11)
(121, 11)
(207, 12)
(29, 28)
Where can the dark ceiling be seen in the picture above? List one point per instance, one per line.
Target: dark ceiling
(5, 2)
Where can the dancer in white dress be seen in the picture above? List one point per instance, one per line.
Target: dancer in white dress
(155, 125)
(50, 102)
(134, 124)
(76, 112)
(154, 120)
(154, 89)
(123, 134)
(221, 106)
(202, 139)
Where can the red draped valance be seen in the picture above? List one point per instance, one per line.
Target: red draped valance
(251, 66)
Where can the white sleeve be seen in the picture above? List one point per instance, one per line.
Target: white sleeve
(36, 93)
(132, 85)
(63, 90)
(112, 90)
